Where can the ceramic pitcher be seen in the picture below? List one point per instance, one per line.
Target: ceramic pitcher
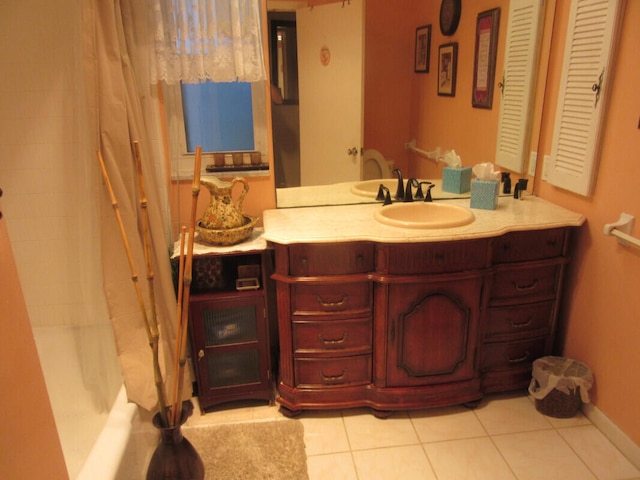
(223, 212)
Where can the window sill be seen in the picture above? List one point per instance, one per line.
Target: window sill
(185, 170)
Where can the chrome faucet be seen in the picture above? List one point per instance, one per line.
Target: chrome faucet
(400, 190)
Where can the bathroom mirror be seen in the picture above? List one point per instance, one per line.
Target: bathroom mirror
(373, 131)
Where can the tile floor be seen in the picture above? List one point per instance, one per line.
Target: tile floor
(503, 438)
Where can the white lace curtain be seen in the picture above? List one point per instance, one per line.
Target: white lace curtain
(198, 40)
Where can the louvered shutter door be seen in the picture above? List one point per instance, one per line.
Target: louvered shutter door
(520, 67)
(580, 111)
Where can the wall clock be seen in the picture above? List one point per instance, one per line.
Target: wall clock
(450, 16)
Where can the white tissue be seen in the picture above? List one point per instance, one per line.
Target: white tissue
(452, 159)
(485, 172)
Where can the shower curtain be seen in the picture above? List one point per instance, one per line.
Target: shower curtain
(121, 106)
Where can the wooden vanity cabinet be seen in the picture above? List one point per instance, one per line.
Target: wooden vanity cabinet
(412, 325)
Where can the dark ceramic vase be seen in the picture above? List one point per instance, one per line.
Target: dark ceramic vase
(175, 458)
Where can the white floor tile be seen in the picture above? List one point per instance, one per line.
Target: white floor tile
(510, 414)
(393, 463)
(598, 453)
(366, 431)
(449, 423)
(469, 459)
(324, 432)
(335, 466)
(541, 455)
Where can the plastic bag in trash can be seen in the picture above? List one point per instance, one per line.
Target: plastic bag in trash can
(560, 373)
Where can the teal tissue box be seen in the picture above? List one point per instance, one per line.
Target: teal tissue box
(484, 194)
(456, 180)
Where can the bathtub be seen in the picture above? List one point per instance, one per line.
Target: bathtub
(107, 457)
(102, 435)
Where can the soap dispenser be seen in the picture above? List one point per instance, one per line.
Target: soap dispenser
(506, 182)
(521, 187)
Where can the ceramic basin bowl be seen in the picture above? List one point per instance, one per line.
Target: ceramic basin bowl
(424, 215)
(369, 188)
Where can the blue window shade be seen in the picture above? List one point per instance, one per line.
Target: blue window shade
(218, 116)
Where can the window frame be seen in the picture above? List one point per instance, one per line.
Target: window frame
(182, 161)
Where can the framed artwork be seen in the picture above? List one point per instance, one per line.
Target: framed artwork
(447, 67)
(484, 68)
(423, 49)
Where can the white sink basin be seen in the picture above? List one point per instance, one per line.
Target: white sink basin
(424, 215)
(369, 188)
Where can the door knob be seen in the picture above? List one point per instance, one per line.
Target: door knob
(353, 151)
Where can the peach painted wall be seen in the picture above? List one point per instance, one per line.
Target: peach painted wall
(452, 122)
(602, 310)
(388, 64)
(29, 443)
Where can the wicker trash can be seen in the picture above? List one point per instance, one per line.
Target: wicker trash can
(560, 385)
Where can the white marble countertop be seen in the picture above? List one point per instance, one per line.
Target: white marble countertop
(255, 242)
(356, 222)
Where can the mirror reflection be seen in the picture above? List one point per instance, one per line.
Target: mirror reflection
(398, 105)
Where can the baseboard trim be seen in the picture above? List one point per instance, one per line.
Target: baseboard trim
(621, 440)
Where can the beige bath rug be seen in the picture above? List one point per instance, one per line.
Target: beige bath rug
(247, 451)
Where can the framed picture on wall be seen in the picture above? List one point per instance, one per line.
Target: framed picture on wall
(423, 49)
(484, 67)
(447, 67)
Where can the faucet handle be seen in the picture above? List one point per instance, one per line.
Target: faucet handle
(428, 197)
(420, 194)
(382, 196)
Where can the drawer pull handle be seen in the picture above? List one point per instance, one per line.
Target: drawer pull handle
(334, 378)
(515, 324)
(521, 359)
(523, 288)
(344, 338)
(333, 304)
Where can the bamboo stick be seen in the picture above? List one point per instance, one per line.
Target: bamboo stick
(195, 191)
(175, 391)
(134, 279)
(154, 341)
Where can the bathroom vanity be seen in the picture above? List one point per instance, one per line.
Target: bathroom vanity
(395, 318)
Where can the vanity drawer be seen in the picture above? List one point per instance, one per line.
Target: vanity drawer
(505, 355)
(520, 319)
(344, 336)
(333, 372)
(437, 257)
(529, 245)
(331, 258)
(309, 298)
(528, 281)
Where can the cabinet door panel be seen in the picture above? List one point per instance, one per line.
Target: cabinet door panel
(433, 331)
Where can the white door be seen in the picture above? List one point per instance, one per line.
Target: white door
(330, 75)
